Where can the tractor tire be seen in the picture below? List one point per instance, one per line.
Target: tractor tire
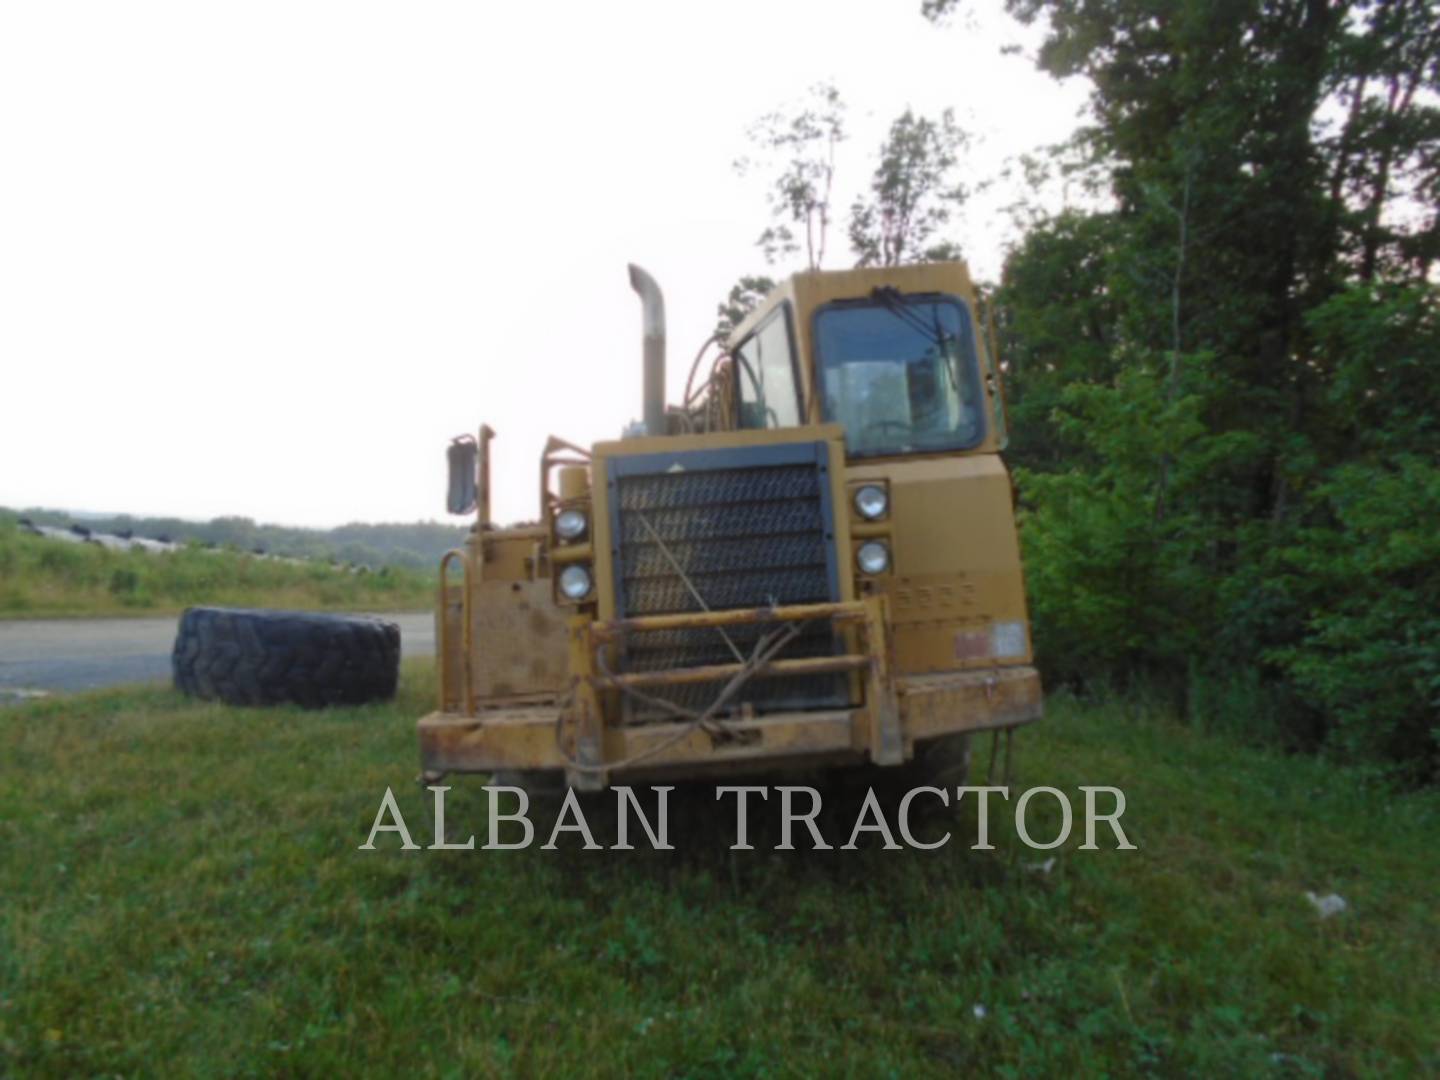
(543, 786)
(942, 762)
(252, 657)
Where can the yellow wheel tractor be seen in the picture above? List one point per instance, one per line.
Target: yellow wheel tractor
(811, 561)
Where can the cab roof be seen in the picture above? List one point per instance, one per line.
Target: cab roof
(809, 289)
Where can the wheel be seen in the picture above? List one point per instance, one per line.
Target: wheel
(540, 784)
(251, 657)
(942, 762)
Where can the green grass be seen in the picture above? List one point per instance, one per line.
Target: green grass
(42, 577)
(180, 891)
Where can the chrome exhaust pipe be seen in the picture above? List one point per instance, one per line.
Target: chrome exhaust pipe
(653, 321)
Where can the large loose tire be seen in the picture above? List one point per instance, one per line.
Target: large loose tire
(249, 657)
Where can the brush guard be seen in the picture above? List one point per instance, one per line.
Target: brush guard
(581, 727)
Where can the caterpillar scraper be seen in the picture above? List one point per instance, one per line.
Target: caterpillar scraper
(809, 561)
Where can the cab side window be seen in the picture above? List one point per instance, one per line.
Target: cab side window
(765, 369)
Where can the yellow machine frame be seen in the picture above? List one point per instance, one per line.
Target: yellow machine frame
(525, 683)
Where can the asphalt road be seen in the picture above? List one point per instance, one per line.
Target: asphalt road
(50, 655)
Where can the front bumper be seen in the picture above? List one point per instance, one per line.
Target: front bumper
(926, 707)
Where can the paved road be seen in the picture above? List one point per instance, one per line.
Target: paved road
(82, 654)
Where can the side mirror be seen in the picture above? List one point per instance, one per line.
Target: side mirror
(463, 457)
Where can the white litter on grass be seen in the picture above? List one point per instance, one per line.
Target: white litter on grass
(1042, 867)
(978, 1010)
(1326, 906)
(15, 694)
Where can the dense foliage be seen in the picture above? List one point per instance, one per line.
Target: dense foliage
(1225, 382)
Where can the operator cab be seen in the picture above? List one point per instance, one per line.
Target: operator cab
(899, 369)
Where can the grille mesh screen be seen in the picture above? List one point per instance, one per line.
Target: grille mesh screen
(743, 537)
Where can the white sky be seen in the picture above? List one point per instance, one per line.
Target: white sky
(266, 258)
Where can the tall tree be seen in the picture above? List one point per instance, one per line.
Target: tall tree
(1383, 160)
(913, 192)
(796, 149)
(745, 295)
(1224, 371)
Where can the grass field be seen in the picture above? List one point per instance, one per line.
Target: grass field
(43, 577)
(180, 891)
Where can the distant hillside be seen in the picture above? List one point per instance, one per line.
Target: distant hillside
(418, 545)
(45, 575)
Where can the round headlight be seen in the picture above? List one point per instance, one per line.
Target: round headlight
(871, 502)
(570, 524)
(575, 582)
(873, 558)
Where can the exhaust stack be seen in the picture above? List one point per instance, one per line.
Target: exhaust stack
(653, 322)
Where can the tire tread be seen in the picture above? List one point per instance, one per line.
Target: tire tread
(245, 656)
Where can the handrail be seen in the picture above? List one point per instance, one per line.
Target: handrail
(467, 629)
(550, 459)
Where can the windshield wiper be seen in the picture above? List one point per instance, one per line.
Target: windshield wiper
(889, 298)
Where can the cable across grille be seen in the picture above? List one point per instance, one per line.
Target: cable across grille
(710, 530)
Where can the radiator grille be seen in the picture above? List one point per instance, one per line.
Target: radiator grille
(748, 527)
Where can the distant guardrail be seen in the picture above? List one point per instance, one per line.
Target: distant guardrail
(128, 541)
(81, 534)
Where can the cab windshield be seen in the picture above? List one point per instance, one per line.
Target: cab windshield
(900, 373)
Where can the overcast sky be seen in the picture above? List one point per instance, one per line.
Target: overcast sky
(265, 259)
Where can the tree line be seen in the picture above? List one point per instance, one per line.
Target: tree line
(417, 544)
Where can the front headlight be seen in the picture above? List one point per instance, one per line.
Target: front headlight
(575, 582)
(571, 524)
(871, 502)
(873, 558)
